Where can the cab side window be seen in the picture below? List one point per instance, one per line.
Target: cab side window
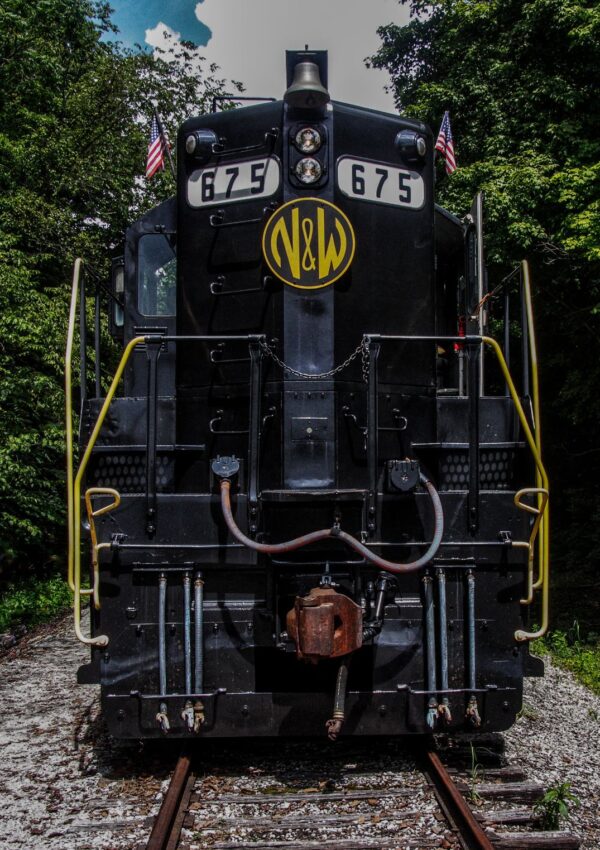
(157, 274)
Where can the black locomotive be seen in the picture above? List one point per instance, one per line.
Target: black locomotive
(308, 511)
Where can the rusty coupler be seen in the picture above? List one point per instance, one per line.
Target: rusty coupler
(327, 624)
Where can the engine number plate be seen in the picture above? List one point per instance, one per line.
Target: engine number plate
(234, 181)
(379, 183)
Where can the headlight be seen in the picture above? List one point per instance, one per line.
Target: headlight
(308, 140)
(309, 170)
(190, 144)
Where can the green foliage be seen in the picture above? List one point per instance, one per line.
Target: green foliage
(518, 78)
(474, 778)
(555, 805)
(573, 652)
(74, 125)
(33, 601)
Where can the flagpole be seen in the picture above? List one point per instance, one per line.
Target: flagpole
(166, 145)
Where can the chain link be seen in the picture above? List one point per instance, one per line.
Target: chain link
(362, 350)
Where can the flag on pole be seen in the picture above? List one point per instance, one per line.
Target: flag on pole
(156, 159)
(445, 144)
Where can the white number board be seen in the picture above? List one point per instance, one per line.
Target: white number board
(234, 181)
(379, 183)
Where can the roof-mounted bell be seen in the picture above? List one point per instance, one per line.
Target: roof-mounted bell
(307, 91)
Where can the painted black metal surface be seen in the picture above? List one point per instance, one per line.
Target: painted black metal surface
(311, 453)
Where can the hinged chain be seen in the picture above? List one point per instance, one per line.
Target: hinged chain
(362, 350)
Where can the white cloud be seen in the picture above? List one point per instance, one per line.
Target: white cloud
(160, 35)
(249, 39)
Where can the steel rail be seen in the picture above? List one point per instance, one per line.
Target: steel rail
(455, 804)
(164, 832)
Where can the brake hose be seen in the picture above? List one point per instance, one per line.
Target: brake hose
(337, 534)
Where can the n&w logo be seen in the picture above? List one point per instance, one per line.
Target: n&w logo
(308, 243)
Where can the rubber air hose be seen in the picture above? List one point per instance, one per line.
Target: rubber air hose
(338, 534)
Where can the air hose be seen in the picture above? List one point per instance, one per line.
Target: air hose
(337, 534)
(334, 726)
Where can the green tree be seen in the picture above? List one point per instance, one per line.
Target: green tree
(519, 77)
(74, 124)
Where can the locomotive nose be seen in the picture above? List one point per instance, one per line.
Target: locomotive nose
(307, 91)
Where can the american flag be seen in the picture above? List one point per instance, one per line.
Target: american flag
(156, 158)
(445, 144)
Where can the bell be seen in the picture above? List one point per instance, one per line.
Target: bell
(306, 91)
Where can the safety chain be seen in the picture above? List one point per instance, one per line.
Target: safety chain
(361, 349)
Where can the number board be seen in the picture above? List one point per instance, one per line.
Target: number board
(379, 183)
(234, 181)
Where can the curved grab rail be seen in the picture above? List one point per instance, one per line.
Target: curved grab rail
(92, 514)
(538, 512)
(75, 534)
(522, 635)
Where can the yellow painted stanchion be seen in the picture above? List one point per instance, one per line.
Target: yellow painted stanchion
(521, 634)
(92, 514)
(75, 537)
(544, 538)
(538, 512)
(69, 415)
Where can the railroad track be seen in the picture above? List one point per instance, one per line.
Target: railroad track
(385, 795)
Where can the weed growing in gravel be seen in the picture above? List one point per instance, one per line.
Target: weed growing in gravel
(474, 778)
(555, 805)
(528, 712)
(574, 652)
(33, 601)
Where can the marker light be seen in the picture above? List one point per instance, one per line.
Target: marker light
(308, 140)
(201, 144)
(411, 146)
(309, 170)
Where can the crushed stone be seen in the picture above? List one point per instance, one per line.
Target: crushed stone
(65, 784)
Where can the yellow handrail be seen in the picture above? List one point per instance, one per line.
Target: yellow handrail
(74, 487)
(75, 535)
(69, 416)
(521, 634)
(92, 514)
(538, 512)
(544, 538)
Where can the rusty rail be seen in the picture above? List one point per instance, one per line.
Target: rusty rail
(455, 804)
(166, 829)
(475, 831)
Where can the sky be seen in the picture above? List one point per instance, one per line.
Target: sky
(248, 38)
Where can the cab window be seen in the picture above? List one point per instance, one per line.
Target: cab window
(157, 273)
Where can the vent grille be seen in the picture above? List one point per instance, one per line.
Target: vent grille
(126, 472)
(496, 469)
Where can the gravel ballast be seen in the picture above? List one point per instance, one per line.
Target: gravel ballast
(65, 785)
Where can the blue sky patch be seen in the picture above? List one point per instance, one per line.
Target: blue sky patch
(134, 17)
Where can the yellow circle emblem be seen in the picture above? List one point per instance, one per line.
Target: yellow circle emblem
(308, 243)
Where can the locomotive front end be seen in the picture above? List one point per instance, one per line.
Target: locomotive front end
(307, 514)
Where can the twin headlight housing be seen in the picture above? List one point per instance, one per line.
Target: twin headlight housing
(308, 140)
